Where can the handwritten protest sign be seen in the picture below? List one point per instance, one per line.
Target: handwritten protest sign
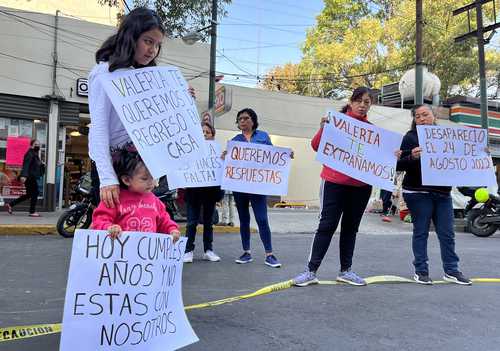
(16, 149)
(125, 294)
(256, 168)
(206, 171)
(159, 115)
(360, 150)
(455, 156)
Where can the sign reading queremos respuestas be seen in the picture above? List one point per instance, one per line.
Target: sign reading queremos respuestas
(82, 87)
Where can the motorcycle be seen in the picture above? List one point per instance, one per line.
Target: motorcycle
(468, 192)
(482, 221)
(79, 214)
(172, 199)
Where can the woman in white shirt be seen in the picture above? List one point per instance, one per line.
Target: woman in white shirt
(136, 44)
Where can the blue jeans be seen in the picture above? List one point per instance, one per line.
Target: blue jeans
(259, 206)
(425, 207)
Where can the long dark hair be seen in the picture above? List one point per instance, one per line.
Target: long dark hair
(414, 111)
(357, 95)
(125, 163)
(119, 49)
(209, 126)
(252, 115)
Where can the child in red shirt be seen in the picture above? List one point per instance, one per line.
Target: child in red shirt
(139, 209)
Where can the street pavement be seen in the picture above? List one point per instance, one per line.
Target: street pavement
(325, 317)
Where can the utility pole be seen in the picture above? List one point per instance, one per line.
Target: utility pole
(213, 52)
(479, 34)
(419, 68)
(53, 128)
(54, 54)
(482, 65)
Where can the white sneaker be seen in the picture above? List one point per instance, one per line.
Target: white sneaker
(211, 256)
(188, 257)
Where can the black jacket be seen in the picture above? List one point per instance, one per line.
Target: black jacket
(204, 194)
(413, 177)
(32, 165)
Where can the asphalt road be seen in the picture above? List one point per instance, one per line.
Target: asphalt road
(324, 317)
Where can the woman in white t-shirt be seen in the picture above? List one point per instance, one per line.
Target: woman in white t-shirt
(136, 44)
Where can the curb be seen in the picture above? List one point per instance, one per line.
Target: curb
(50, 229)
(27, 229)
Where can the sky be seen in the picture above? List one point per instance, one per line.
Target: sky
(259, 34)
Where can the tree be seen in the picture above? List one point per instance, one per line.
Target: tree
(372, 43)
(180, 17)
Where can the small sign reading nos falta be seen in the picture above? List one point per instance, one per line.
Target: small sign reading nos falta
(256, 168)
(206, 171)
(455, 156)
(159, 114)
(360, 150)
(125, 294)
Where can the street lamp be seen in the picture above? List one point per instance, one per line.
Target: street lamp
(195, 36)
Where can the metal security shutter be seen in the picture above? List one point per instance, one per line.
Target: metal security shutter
(68, 113)
(15, 106)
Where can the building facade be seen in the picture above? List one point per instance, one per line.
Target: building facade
(46, 99)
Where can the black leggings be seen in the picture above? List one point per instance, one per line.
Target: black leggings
(31, 193)
(95, 192)
(348, 202)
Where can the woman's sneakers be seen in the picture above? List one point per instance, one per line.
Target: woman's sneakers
(305, 278)
(211, 256)
(452, 277)
(188, 257)
(34, 214)
(457, 278)
(245, 258)
(272, 261)
(351, 278)
(422, 278)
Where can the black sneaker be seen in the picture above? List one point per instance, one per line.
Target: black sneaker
(457, 278)
(422, 278)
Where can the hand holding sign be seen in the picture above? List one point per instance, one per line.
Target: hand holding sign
(415, 152)
(256, 168)
(159, 114)
(454, 156)
(360, 150)
(204, 172)
(125, 294)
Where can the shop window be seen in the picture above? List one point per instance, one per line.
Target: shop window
(11, 129)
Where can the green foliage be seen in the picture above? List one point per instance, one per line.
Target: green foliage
(180, 17)
(372, 43)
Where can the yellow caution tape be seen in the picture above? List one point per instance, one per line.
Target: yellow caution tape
(29, 331)
(265, 290)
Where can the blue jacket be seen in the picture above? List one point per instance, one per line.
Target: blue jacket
(258, 136)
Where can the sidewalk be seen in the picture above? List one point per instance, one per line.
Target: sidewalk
(20, 223)
(281, 221)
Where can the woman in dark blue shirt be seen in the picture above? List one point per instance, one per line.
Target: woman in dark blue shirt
(247, 123)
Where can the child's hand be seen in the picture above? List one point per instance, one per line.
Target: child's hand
(175, 235)
(114, 231)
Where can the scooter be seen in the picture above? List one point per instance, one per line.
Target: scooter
(485, 220)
